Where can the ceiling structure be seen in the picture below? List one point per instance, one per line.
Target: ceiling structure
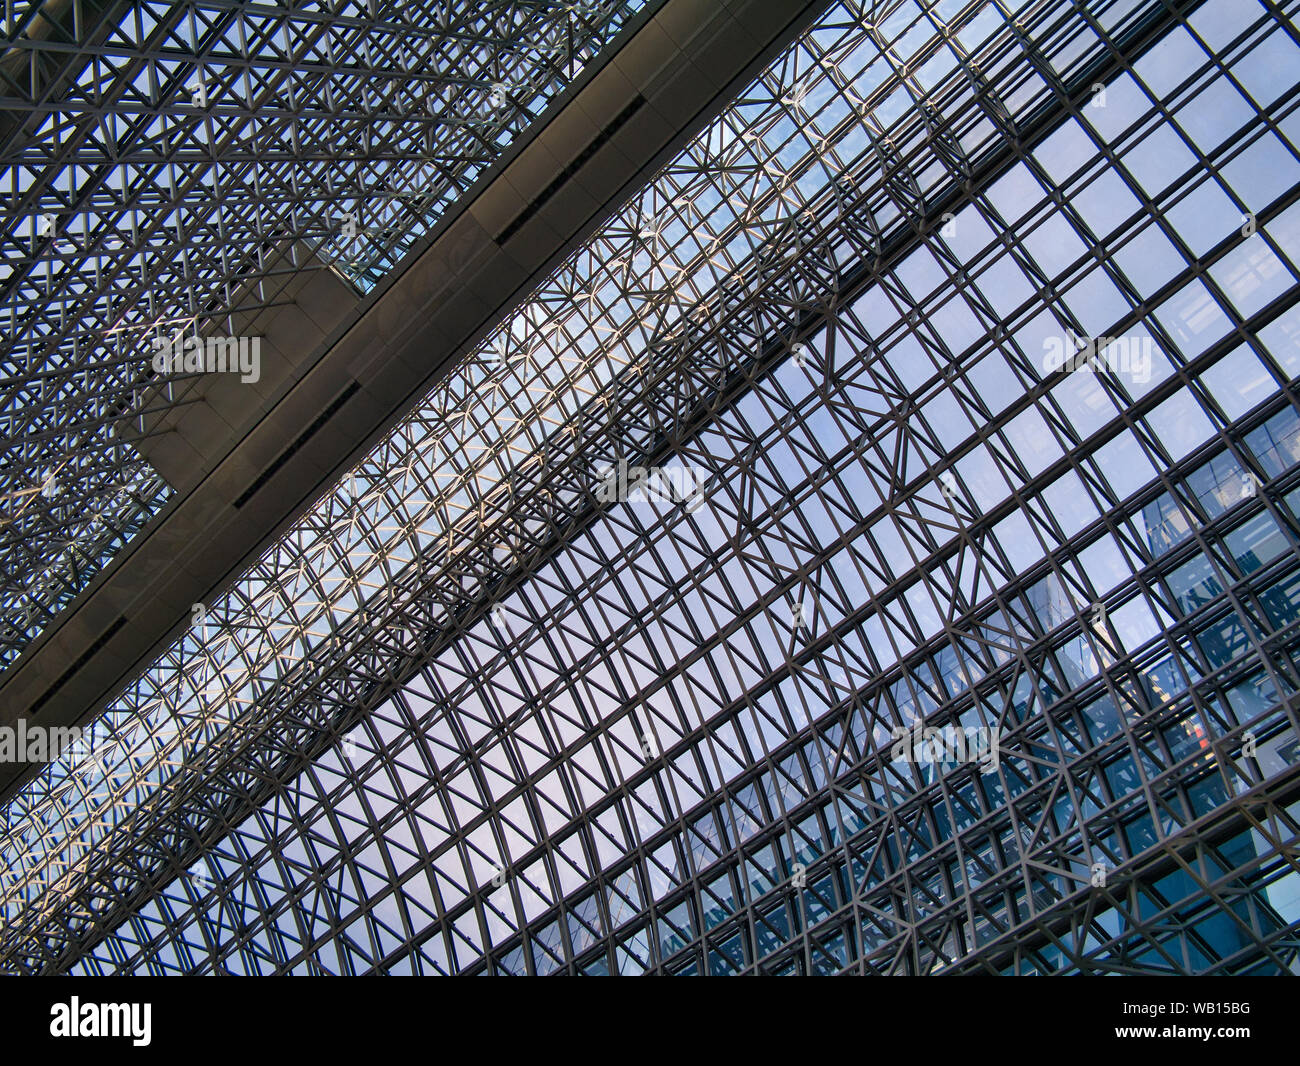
(162, 163)
(245, 458)
(465, 716)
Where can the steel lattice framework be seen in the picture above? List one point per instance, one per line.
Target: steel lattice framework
(162, 163)
(468, 716)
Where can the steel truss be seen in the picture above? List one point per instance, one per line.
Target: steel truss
(164, 163)
(557, 733)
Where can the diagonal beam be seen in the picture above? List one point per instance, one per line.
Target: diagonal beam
(339, 378)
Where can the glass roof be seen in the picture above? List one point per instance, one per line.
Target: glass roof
(906, 514)
(191, 154)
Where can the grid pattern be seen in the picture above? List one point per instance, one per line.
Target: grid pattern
(165, 166)
(657, 736)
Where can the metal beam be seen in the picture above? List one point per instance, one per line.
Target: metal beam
(339, 378)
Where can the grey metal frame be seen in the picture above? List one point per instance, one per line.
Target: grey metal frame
(619, 769)
(163, 164)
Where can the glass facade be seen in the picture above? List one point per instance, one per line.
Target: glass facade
(975, 330)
